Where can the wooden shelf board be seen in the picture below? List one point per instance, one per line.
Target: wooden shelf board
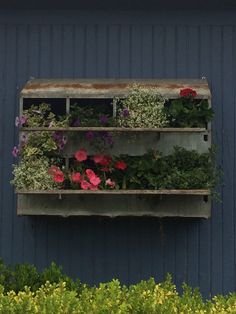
(118, 192)
(112, 129)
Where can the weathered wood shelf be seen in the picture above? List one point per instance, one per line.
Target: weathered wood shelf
(114, 129)
(118, 192)
(62, 94)
(114, 203)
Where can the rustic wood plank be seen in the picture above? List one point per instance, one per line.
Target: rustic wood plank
(107, 88)
(112, 129)
(88, 204)
(118, 192)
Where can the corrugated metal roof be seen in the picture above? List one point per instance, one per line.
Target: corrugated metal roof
(89, 88)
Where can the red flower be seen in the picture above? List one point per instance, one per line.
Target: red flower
(105, 169)
(120, 165)
(84, 185)
(102, 160)
(93, 187)
(76, 177)
(81, 155)
(52, 170)
(188, 92)
(93, 178)
(90, 173)
(59, 177)
(110, 183)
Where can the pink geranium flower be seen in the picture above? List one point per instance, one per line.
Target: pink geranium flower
(90, 173)
(110, 183)
(76, 177)
(93, 178)
(102, 160)
(59, 177)
(93, 187)
(52, 170)
(84, 185)
(81, 155)
(98, 158)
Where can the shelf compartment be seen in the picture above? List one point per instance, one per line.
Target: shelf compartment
(115, 203)
(136, 141)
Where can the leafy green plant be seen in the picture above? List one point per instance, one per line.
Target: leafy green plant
(17, 277)
(42, 116)
(188, 111)
(142, 108)
(182, 169)
(90, 115)
(32, 174)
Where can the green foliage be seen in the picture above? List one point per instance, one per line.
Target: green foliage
(146, 297)
(42, 116)
(17, 277)
(145, 109)
(39, 144)
(182, 169)
(90, 115)
(188, 112)
(32, 174)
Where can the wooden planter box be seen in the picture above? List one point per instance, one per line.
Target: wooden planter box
(132, 141)
(156, 203)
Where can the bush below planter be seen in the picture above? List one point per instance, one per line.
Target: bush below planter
(63, 295)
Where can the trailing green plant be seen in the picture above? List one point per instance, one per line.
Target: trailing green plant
(142, 108)
(32, 174)
(41, 116)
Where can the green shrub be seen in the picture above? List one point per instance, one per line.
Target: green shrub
(17, 277)
(24, 290)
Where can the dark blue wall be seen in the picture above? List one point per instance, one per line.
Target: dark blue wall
(127, 45)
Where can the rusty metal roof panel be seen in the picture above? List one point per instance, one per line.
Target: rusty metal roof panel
(109, 88)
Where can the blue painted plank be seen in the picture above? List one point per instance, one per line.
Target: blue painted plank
(56, 47)
(102, 51)
(204, 272)
(113, 55)
(147, 51)
(8, 198)
(68, 55)
(2, 130)
(157, 238)
(21, 74)
(135, 51)
(217, 100)
(158, 51)
(228, 141)
(125, 51)
(170, 62)
(181, 233)
(90, 56)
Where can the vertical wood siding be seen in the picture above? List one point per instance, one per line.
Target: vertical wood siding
(108, 45)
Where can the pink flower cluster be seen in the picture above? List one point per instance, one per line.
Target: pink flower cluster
(85, 177)
(57, 174)
(88, 181)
